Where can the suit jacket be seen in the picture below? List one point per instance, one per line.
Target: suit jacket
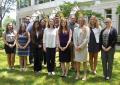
(112, 38)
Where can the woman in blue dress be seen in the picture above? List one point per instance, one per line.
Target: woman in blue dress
(23, 39)
(64, 36)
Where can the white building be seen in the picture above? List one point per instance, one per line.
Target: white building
(106, 7)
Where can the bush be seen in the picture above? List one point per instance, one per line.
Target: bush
(1, 43)
(1, 31)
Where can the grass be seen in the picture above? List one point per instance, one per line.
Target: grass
(16, 77)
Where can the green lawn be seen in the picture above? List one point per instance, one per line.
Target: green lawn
(16, 77)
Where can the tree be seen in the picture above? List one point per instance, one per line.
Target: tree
(5, 7)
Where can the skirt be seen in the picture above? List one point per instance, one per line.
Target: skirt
(65, 56)
(23, 52)
(9, 50)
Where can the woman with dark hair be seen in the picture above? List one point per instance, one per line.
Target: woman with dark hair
(49, 44)
(37, 46)
(108, 38)
(10, 44)
(64, 35)
(42, 27)
(23, 39)
(93, 45)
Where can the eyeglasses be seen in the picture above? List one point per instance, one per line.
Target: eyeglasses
(106, 22)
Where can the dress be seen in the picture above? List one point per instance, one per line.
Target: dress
(80, 38)
(22, 40)
(93, 45)
(64, 56)
(10, 38)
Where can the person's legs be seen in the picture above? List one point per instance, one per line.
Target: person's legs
(48, 57)
(63, 68)
(53, 52)
(67, 68)
(104, 63)
(9, 60)
(85, 70)
(110, 62)
(78, 70)
(91, 60)
(12, 60)
(95, 62)
(25, 62)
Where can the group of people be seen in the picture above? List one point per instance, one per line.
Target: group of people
(73, 38)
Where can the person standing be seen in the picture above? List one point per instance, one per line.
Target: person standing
(64, 35)
(43, 26)
(10, 45)
(37, 46)
(108, 38)
(71, 25)
(29, 23)
(49, 44)
(23, 40)
(81, 38)
(93, 45)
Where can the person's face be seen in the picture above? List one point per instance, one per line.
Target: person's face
(92, 20)
(73, 19)
(56, 19)
(42, 23)
(10, 26)
(27, 20)
(107, 23)
(51, 22)
(23, 28)
(80, 21)
(36, 25)
(63, 23)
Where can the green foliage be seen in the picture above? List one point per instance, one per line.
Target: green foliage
(66, 8)
(88, 13)
(1, 43)
(8, 20)
(118, 10)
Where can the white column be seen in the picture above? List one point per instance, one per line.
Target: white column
(32, 2)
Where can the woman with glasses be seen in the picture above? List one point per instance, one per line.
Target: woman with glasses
(108, 38)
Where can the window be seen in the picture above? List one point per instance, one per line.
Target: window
(108, 13)
(24, 3)
(39, 1)
(46, 1)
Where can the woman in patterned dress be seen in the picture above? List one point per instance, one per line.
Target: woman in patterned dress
(81, 37)
(23, 39)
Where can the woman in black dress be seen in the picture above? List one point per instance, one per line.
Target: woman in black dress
(64, 35)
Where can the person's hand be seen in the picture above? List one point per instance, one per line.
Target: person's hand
(24, 47)
(78, 48)
(103, 48)
(64, 48)
(39, 46)
(11, 46)
(44, 48)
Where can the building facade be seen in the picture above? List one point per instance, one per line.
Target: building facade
(107, 8)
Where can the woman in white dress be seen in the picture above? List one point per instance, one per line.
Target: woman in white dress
(81, 37)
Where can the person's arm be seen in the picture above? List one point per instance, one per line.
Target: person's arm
(44, 40)
(4, 38)
(70, 36)
(85, 41)
(28, 34)
(75, 38)
(17, 43)
(113, 42)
